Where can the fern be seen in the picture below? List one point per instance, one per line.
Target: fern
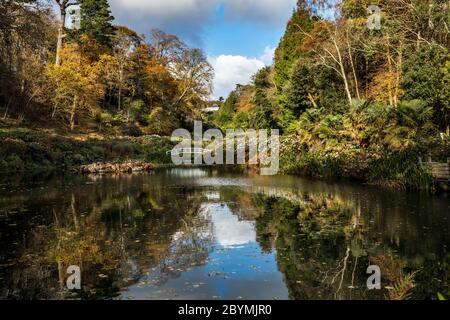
(402, 288)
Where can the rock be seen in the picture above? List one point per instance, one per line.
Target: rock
(125, 167)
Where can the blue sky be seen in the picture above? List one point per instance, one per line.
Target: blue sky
(238, 36)
(245, 39)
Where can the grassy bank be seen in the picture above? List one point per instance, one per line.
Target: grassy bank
(392, 169)
(26, 150)
(29, 150)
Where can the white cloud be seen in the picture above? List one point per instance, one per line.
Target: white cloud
(234, 69)
(268, 55)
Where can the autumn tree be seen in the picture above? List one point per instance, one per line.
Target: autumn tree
(27, 35)
(73, 86)
(194, 76)
(117, 65)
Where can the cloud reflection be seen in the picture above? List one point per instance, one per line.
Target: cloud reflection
(228, 230)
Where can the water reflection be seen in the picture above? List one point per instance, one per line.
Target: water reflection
(228, 230)
(212, 234)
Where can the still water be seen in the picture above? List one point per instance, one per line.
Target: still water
(215, 234)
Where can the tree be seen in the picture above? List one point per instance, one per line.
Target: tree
(413, 123)
(299, 93)
(96, 21)
(262, 116)
(166, 49)
(189, 69)
(63, 5)
(27, 35)
(332, 53)
(73, 86)
(289, 49)
(445, 97)
(194, 75)
(424, 78)
(161, 92)
(117, 67)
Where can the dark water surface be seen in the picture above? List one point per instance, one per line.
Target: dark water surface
(211, 234)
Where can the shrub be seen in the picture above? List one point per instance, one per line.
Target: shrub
(122, 148)
(400, 170)
(156, 149)
(15, 164)
(11, 146)
(131, 130)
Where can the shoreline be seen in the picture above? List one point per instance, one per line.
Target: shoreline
(33, 151)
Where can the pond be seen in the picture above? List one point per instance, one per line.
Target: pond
(208, 233)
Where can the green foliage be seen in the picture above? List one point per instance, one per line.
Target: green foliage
(288, 51)
(300, 92)
(262, 114)
(224, 117)
(96, 21)
(241, 121)
(312, 86)
(32, 150)
(229, 106)
(157, 149)
(413, 125)
(422, 73)
(131, 130)
(400, 170)
(444, 98)
(229, 116)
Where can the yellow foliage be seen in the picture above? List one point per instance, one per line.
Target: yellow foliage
(74, 85)
(385, 86)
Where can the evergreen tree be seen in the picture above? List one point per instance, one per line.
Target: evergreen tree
(262, 114)
(288, 51)
(96, 21)
(299, 92)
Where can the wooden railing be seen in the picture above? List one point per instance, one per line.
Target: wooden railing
(440, 170)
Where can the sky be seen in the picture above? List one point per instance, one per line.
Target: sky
(238, 36)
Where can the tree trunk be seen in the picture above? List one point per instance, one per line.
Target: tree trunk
(399, 75)
(120, 86)
(61, 34)
(344, 76)
(355, 77)
(74, 214)
(72, 113)
(120, 97)
(7, 109)
(391, 72)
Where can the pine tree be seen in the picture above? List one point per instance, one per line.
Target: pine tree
(96, 21)
(288, 51)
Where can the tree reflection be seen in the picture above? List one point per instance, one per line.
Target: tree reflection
(139, 230)
(116, 233)
(325, 245)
